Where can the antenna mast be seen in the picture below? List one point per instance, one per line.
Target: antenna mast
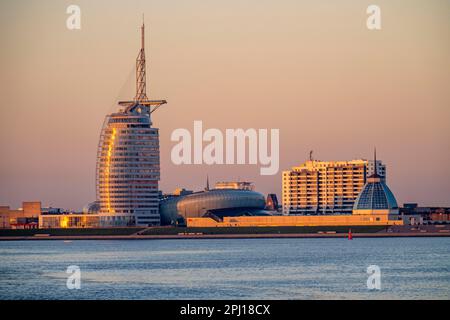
(375, 161)
(140, 98)
(141, 80)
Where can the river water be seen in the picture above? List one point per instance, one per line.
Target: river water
(410, 268)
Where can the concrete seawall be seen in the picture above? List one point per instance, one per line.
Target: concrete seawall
(233, 236)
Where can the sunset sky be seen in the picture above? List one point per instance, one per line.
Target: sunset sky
(309, 68)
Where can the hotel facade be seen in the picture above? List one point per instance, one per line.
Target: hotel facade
(128, 169)
(326, 187)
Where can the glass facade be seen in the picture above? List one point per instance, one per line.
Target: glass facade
(128, 168)
(220, 202)
(128, 159)
(69, 221)
(375, 195)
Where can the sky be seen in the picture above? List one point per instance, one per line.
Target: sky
(311, 69)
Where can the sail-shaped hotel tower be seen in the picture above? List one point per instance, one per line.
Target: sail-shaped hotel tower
(128, 168)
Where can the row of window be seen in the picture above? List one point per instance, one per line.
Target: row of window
(130, 160)
(121, 170)
(114, 193)
(147, 139)
(118, 207)
(130, 154)
(152, 185)
(142, 148)
(149, 131)
(129, 196)
(121, 179)
(114, 202)
(133, 142)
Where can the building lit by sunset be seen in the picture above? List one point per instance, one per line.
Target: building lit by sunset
(22, 218)
(375, 204)
(326, 187)
(128, 168)
(238, 185)
(229, 198)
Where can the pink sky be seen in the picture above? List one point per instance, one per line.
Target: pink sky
(309, 68)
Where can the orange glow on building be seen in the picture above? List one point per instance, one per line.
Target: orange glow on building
(108, 168)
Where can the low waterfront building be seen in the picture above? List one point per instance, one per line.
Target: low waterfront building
(69, 220)
(375, 204)
(425, 215)
(216, 203)
(22, 218)
(81, 220)
(296, 221)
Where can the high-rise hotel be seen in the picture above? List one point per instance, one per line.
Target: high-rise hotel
(128, 167)
(326, 187)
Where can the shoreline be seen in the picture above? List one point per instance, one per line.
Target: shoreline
(230, 236)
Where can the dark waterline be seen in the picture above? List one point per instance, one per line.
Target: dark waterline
(411, 268)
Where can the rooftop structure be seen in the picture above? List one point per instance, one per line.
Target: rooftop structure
(238, 185)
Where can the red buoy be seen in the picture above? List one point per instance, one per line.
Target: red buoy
(350, 237)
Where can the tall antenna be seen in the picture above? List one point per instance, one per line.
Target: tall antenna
(140, 98)
(141, 80)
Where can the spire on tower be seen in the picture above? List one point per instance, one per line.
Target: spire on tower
(375, 160)
(140, 98)
(142, 32)
(375, 173)
(141, 80)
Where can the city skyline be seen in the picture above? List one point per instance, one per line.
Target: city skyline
(361, 89)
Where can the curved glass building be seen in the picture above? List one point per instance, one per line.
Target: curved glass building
(375, 197)
(217, 203)
(128, 160)
(128, 169)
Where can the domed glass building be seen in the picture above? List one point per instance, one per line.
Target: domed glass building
(216, 203)
(92, 208)
(375, 197)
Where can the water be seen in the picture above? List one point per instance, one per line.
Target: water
(411, 268)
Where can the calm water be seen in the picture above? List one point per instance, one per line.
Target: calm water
(411, 268)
